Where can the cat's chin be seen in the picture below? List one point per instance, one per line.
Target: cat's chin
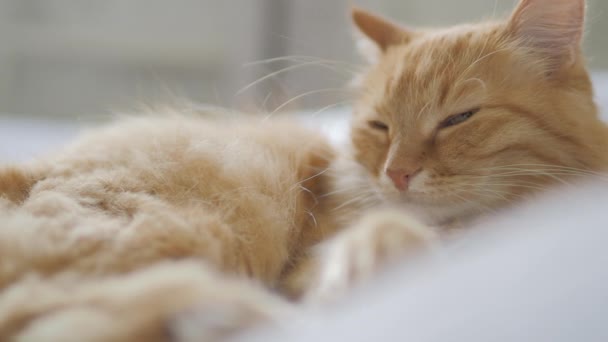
(436, 211)
(440, 215)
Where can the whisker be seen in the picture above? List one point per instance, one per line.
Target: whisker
(302, 58)
(273, 74)
(265, 102)
(478, 60)
(308, 93)
(303, 61)
(515, 185)
(333, 105)
(422, 110)
(314, 219)
(361, 198)
(299, 183)
(314, 197)
(549, 166)
(495, 193)
(474, 204)
(339, 191)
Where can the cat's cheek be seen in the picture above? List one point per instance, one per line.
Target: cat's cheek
(370, 149)
(419, 182)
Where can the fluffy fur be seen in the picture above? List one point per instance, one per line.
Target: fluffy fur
(171, 187)
(191, 219)
(234, 196)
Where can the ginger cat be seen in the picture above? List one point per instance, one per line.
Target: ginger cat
(175, 226)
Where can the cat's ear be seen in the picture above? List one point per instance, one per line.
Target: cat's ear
(553, 28)
(379, 33)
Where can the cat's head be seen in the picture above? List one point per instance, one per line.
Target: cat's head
(472, 117)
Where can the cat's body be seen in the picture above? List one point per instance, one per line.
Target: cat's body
(234, 195)
(173, 214)
(238, 193)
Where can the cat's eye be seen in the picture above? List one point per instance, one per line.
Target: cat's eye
(379, 125)
(458, 118)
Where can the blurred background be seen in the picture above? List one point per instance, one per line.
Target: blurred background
(82, 59)
(65, 64)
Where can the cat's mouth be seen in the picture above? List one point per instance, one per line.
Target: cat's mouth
(421, 198)
(425, 196)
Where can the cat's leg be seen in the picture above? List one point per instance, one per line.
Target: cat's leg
(183, 301)
(356, 253)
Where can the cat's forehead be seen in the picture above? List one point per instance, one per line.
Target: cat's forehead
(440, 53)
(418, 80)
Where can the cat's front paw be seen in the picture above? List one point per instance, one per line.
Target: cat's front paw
(219, 319)
(358, 252)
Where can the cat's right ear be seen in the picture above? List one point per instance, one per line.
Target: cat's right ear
(378, 34)
(552, 28)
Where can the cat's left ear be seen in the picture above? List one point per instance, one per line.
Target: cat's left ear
(552, 28)
(379, 34)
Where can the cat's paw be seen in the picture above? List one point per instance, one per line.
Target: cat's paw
(358, 252)
(220, 319)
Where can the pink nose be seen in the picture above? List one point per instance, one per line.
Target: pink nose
(401, 178)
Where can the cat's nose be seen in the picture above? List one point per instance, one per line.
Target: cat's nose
(401, 177)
